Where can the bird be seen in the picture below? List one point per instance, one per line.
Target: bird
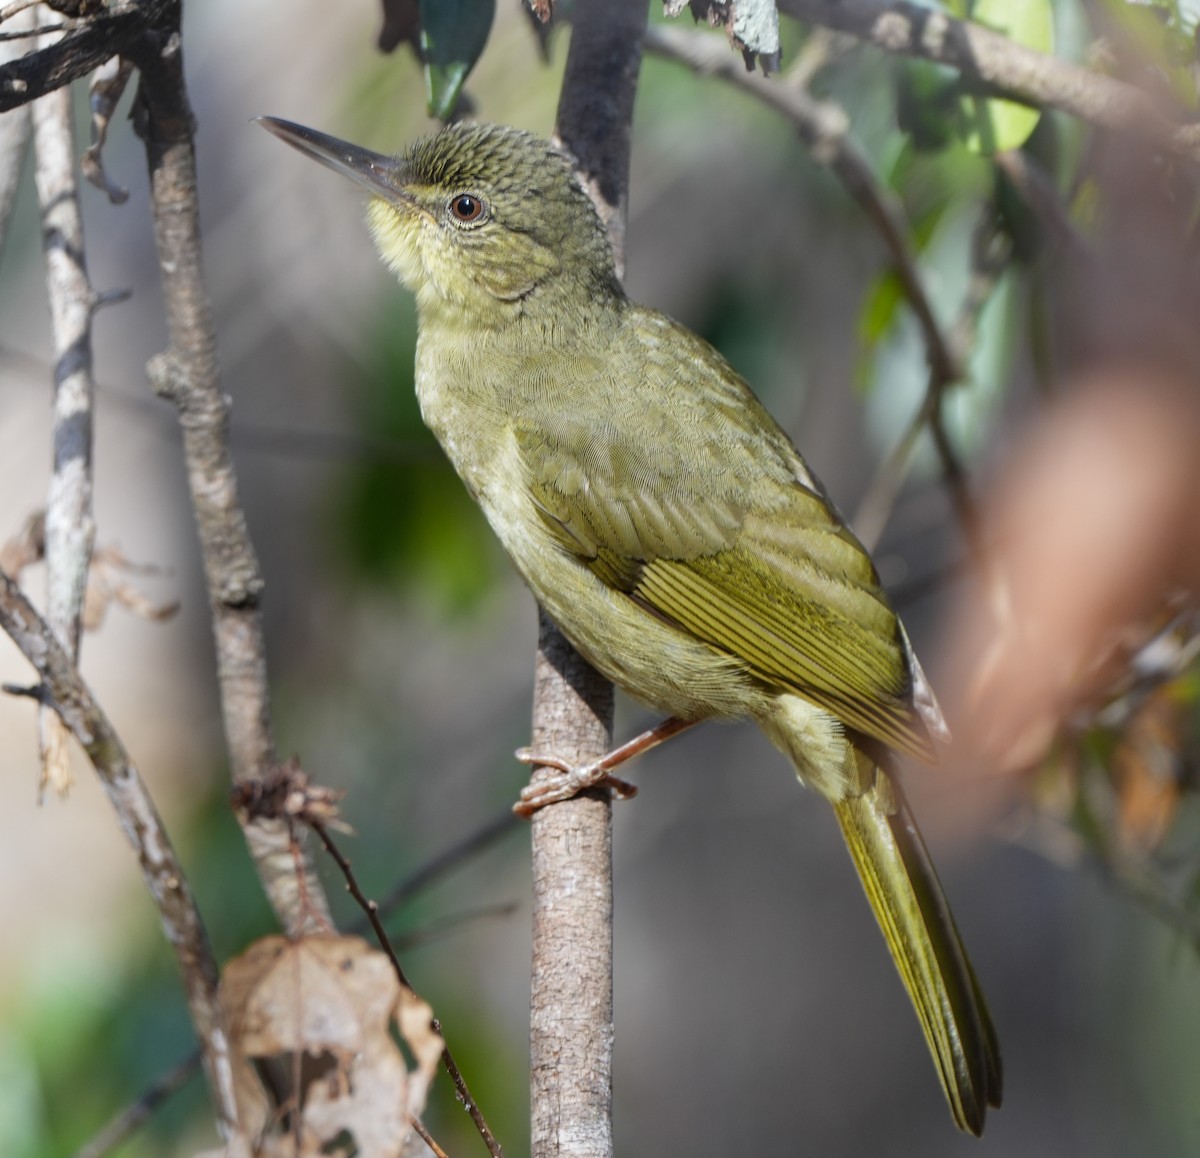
(665, 521)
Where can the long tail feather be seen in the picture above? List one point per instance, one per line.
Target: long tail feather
(912, 911)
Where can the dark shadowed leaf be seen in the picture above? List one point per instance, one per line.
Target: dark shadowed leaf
(453, 33)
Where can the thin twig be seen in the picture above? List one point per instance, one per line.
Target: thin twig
(11, 10)
(435, 930)
(187, 373)
(25, 33)
(444, 862)
(825, 130)
(1037, 189)
(70, 526)
(161, 870)
(998, 65)
(820, 49)
(132, 1116)
(371, 909)
(426, 1137)
(1059, 844)
(990, 254)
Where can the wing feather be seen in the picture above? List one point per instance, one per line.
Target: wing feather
(701, 510)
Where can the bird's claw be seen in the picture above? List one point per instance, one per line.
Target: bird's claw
(569, 780)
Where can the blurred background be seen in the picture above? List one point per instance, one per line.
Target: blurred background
(757, 1010)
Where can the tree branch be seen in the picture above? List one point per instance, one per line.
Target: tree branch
(187, 373)
(64, 690)
(112, 32)
(995, 62)
(70, 526)
(571, 1012)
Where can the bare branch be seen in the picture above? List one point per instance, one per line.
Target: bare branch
(70, 526)
(132, 1116)
(371, 909)
(188, 374)
(571, 1010)
(995, 62)
(112, 32)
(990, 253)
(65, 690)
(1037, 189)
(444, 862)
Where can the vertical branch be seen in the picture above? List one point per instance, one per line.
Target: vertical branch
(188, 374)
(70, 528)
(571, 1019)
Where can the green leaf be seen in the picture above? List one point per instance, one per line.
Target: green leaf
(453, 33)
(994, 126)
(875, 320)
(926, 104)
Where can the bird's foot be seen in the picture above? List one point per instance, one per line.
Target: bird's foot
(568, 781)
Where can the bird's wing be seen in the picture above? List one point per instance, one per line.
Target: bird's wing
(697, 511)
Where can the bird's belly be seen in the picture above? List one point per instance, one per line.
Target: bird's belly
(643, 654)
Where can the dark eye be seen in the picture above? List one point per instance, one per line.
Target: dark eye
(466, 208)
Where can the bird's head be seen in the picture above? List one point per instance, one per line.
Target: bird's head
(476, 218)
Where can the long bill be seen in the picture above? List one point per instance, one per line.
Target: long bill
(380, 175)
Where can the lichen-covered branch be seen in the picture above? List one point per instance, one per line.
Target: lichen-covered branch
(63, 690)
(70, 526)
(188, 374)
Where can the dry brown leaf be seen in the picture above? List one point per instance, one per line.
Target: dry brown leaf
(321, 1009)
(106, 582)
(1146, 767)
(287, 792)
(107, 585)
(26, 547)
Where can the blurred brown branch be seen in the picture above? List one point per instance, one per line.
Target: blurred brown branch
(1007, 68)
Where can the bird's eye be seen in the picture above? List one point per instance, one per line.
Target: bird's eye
(466, 208)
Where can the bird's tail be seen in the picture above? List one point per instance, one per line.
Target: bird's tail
(912, 911)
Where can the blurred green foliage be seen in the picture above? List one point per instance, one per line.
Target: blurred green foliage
(404, 516)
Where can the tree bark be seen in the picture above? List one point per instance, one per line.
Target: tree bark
(571, 1011)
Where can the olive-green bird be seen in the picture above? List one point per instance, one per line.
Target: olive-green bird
(663, 518)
